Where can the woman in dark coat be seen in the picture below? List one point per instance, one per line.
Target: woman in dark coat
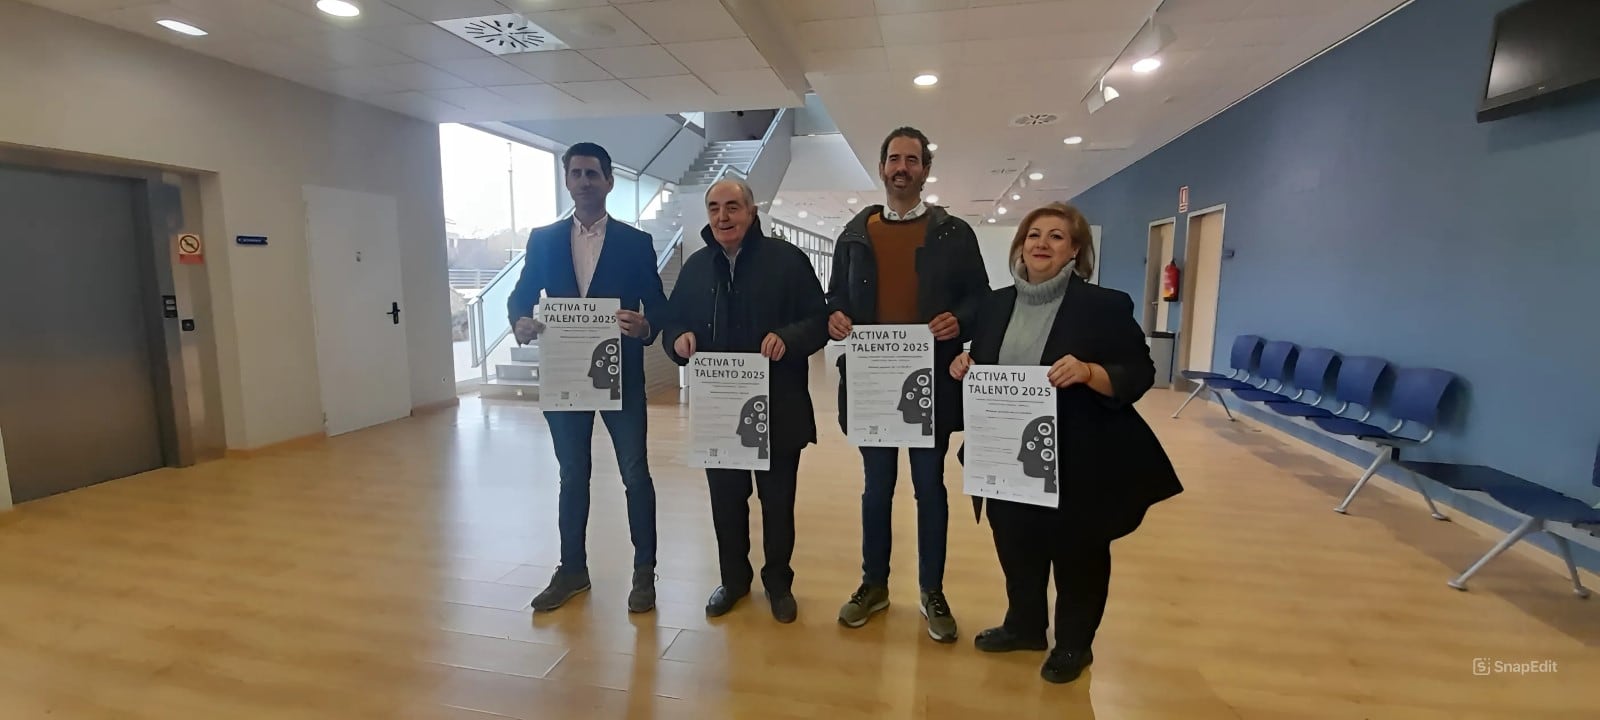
(1111, 466)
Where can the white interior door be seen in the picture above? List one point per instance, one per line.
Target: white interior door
(355, 292)
(1206, 280)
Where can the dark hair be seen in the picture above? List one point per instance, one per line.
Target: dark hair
(587, 149)
(906, 132)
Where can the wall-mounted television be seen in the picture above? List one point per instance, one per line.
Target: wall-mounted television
(1544, 51)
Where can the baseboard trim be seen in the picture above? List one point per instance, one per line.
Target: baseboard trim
(299, 443)
(434, 407)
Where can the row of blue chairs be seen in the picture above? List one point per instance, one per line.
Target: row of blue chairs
(1292, 381)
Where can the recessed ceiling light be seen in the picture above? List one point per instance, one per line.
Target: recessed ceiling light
(926, 80)
(933, 199)
(1074, 140)
(1036, 175)
(339, 8)
(820, 223)
(777, 201)
(802, 214)
(853, 201)
(179, 26)
(1147, 65)
(1001, 209)
(991, 221)
(933, 178)
(1016, 196)
(933, 146)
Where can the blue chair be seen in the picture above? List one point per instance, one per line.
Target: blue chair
(1356, 385)
(1418, 393)
(1541, 504)
(1277, 363)
(1244, 356)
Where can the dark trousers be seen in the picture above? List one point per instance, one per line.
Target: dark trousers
(730, 514)
(881, 466)
(572, 433)
(1031, 541)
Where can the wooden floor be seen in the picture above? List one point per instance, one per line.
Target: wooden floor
(386, 574)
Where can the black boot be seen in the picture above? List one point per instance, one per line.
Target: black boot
(722, 600)
(1064, 666)
(642, 598)
(999, 640)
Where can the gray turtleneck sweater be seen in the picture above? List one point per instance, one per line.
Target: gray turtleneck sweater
(1032, 316)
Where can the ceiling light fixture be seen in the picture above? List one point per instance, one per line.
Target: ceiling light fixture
(933, 146)
(1001, 209)
(926, 80)
(1036, 175)
(179, 26)
(991, 221)
(1016, 196)
(1147, 65)
(801, 214)
(777, 201)
(339, 8)
(820, 223)
(933, 199)
(853, 200)
(1111, 93)
(1074, 140)
(933, 179)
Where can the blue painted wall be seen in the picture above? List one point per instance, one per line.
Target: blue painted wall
(1370, 213)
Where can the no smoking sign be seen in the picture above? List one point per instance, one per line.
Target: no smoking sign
(191, 251)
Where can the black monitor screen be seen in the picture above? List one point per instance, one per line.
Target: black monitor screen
(1542, 49)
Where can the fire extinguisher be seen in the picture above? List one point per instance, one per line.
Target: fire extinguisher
(1169, 282)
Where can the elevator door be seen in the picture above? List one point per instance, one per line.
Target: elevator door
(77, 395)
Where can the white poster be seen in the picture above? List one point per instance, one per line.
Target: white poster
(1011, 449)
(580, 354)
(730, 416)
(890, 371)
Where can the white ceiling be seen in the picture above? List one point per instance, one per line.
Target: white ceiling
(997, 59)
(627, 57)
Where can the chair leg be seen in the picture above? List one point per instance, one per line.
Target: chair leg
(1372, 469)
(1224, 403)
(1186, 401)
(1572, 567)
(1417, 483)
(1528, 527)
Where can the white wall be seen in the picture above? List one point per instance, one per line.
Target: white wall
(994, 241)
(76, 86)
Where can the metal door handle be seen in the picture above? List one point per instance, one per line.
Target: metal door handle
(394, 312)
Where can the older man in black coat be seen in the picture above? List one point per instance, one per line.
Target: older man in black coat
(744, 292)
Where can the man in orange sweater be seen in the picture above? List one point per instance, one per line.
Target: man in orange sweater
(907, 262)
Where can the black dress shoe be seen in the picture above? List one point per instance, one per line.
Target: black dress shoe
(1064, 666)
(642, 598)
(722, 600)
(999, 640)
(784, 608)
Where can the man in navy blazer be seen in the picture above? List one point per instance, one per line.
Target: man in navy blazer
(594, 255)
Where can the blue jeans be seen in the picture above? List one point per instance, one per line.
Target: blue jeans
(571, 433)
(882, 468)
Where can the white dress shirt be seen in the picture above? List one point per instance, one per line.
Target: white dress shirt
(909, 215)
(586, 244)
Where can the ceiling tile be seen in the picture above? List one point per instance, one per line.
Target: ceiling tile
(1251, 33)
(471, 98)
(1290, 8)
(1200, 11)
(672, 21)
(559, 66)
(1048, 19)
(846, 34)
(901, 7)
(744, 82)
(373, 14)
(411, 76)
(414, 104)
(486, 71)
(1085, 45)
(258, 18)
(347, 48)
(544, 5)
(718, 55)
(601, 92)
(807, 10)
(427, 43)
(873, 59)
(85, 8)
(678, 89)
(596, 27)
(142, 20)
(924, 28)
(533, 94)
(432, 10)
(931, 57)
(636, 62)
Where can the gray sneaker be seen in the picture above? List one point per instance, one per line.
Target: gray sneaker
(564, 585)
(941, 624)
(868, 600)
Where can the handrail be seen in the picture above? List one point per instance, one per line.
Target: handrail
(663, 147)
(666, 252)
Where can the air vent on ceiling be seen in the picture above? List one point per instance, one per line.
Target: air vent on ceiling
(1035, 119)
(503, 34)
